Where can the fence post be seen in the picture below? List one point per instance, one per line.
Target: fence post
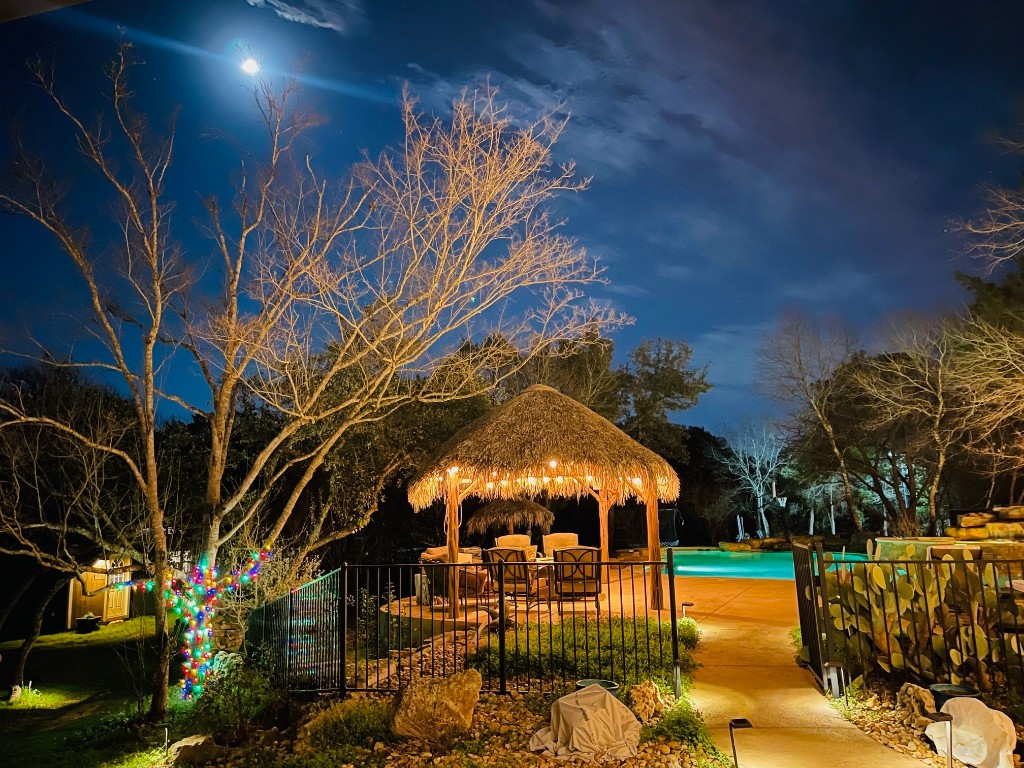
(502, 675)
(677, 680)
(343, 632)
(288, 642)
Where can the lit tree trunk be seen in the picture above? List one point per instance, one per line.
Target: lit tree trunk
(18, 678)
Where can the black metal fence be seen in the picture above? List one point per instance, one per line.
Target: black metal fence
(372, 627)
(955, 620)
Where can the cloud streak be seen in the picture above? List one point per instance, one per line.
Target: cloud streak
(343, 16)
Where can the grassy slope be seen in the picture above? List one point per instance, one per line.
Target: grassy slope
(78, 682)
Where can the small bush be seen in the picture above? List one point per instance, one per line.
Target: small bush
(682, 723)
(354, 722)
(626, 649)
(234, 698)
(689, 633)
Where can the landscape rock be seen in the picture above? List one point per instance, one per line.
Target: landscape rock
(434, 708)
(735, 546)
(1010, 513)
(1005, 530)
(646, 701)
(196, 750)
(912, 702)
(975, 519)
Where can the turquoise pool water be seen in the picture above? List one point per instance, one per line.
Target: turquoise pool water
(742, 565)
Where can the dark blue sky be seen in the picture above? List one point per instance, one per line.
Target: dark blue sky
(748, 157)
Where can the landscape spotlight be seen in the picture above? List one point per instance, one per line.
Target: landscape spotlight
(734, 724)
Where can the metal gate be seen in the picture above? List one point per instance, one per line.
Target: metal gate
(810, 606)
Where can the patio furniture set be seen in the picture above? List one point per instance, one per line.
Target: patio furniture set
(565, 572)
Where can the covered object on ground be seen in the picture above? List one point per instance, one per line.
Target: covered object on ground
(589, 723)
(982, 737)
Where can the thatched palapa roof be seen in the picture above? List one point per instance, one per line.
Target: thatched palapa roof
(541, 441)
(511, 513)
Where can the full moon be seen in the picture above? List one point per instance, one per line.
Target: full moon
(250, 66)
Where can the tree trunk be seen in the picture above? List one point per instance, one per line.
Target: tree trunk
(11, 598)
(18, 678)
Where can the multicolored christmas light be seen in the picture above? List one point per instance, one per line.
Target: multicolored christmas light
(193, 600)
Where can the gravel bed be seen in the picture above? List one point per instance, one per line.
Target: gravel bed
(499, 738)
(876, 714)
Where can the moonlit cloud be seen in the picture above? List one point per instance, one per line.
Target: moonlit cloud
(343, 16)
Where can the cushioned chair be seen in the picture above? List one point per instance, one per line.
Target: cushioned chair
(577, 573)
(473, 581)
(513, 565)
(555, 541)
(517, 541)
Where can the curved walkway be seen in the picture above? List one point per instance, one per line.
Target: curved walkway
(748, 671)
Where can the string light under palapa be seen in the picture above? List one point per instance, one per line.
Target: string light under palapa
(542, 441)
(194, 601)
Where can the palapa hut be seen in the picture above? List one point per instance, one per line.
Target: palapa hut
(509, 514)
(542, 441)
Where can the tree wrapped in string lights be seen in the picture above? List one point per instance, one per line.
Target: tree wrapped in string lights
(193, 600)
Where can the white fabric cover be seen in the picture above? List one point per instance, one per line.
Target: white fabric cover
(589, 722)
(982, 737)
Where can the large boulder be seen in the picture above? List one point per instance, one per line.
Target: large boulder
(434, 708)
(912, 702)
(196, 750)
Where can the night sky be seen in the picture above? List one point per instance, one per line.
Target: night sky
(747, 157)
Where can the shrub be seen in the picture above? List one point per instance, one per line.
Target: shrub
(689, 632)
(682, 723)
(236, 695)
(353, 722)
(626, 649)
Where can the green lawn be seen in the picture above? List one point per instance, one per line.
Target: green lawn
(85, 693)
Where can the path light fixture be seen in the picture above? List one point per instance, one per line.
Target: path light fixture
(944, 717)
(684, 605)
(737, 723)
(835, 678)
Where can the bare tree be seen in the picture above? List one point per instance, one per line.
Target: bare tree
(998, 233)
(916, 385)
(756, 461)
(800, 365)
(337, 302)
(990, 364)
(64, 504)
(826, 495)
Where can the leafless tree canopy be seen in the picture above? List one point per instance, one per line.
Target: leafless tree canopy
(799, 366)
(431, 273)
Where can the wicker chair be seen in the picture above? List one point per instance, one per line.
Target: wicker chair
(578, 573)
(553, 541)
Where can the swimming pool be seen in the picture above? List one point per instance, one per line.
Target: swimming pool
(741, 565)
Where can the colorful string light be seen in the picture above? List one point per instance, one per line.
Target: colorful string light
(193, 600)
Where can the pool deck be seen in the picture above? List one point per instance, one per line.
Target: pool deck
(748, 671)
